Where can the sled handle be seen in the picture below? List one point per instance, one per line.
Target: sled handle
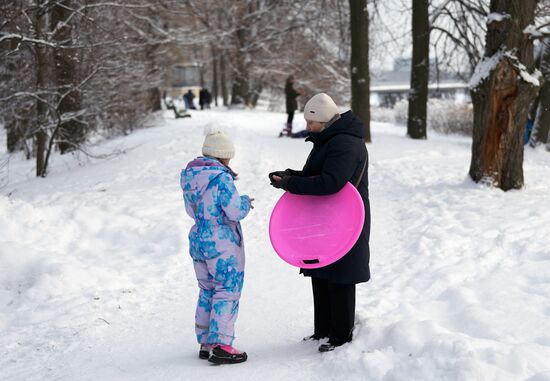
(310, 261)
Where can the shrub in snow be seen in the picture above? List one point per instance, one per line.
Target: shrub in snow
(382, 114)
(444, 115)
(448, 117)
(401, 109)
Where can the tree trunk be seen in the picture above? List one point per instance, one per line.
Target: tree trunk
(154, 99)
(202, 69)
(42, 76)
(14, 130)
(223, 79)
(240, 86)
(420, 71)
(255, 94)
(41, 142)
(72, 132)
(12, 136)
(502, 96)
(541, 127)
(214, 53)
(360, 78)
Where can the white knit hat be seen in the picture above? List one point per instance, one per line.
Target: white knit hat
(217, 144)
(320, 108)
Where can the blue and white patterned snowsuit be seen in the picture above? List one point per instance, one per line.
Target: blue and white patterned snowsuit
(216, 246)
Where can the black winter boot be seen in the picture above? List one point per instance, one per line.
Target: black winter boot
(204, 352)
(226, 354)
(314, 337)
(332, 344)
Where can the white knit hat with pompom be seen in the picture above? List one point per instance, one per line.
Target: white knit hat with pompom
(217, 144)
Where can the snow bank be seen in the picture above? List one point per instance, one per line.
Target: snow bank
(47, 254)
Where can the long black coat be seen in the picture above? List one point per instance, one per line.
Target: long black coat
(338, 156)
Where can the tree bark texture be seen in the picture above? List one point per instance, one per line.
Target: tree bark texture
(42, 112)
(501, 100)
(240, 87)
(154, 99)
(420, 71)
(360, 78)
(223, 79)
(12, 137)
(214, 53)
(72, 133)
(541, 126)
(240, 79)
(13, 125)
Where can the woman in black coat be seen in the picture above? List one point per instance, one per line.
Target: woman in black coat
(339, 155)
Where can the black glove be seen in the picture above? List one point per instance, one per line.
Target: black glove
(277, 173)
(281, 184)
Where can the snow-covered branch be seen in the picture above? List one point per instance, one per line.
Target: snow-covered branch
(21, 38)
(537, 33)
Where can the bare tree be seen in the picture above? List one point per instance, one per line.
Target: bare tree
(360, 78)
(541, 125)
(43, 75)
(66, 61)
(260, 43)
(502, 89)
(420, 71)
(92, 66)
(541, 106)
(18, 117)
(457, 28)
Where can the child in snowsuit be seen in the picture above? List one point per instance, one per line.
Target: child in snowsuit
(216, 246)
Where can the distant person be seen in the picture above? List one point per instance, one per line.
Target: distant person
(205, 98)
(216, 246)
(188, 100)
(291, 104)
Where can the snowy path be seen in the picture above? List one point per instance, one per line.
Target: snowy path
(95, 282)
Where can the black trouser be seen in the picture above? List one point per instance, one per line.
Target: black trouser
(334, 310)
(290, 117)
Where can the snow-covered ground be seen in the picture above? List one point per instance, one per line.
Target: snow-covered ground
(96, 282)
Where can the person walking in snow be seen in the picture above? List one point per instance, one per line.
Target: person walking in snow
(188, 100)
(216, 246)
(291, 104)
(339, 155)
(204, 98)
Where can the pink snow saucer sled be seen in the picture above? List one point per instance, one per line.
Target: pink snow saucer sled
(315, 231)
